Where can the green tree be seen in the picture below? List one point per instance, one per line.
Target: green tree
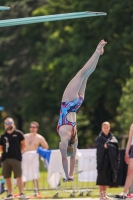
(125, 109)
(69, 45)
(37, 61)
(18, 54)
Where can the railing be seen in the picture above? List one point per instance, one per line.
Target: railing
(51, 179)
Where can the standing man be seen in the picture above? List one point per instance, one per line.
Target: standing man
(30, 163)
(11, 144)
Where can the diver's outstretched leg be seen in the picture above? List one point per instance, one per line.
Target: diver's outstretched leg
(72, 90)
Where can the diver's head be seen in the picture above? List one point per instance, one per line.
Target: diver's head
(70, 150)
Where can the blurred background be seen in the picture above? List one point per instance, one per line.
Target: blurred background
(38, 60)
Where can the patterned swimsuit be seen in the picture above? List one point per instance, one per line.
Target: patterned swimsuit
(67, 107)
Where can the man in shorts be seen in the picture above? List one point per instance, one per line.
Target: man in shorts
(30, 161)
(12, 142)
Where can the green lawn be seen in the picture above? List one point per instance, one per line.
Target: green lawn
(65, 190)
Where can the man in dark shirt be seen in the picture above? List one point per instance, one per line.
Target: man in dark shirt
(11, 144)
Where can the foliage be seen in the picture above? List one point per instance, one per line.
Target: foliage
(64, 190)
(125, 109)
(37, 61)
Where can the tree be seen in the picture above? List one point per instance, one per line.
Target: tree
(125, 109)
(36, 70)
(70, 43)
(17, 56)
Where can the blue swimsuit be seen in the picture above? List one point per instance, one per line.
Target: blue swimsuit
(67, 107)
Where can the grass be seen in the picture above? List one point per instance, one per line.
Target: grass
(64, 190)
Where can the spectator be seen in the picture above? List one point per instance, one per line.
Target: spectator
(30, 162)
(11, 144)
(129, 161)
(107, 159)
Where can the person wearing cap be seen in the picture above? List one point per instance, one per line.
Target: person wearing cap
(12, 142)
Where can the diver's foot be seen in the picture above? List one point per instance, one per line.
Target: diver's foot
(70, 178)
(65, 179)
(100, 47)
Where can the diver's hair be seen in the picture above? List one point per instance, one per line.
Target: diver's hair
(36, 123)
(73, 138)
(106, 123)
(70, 150)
